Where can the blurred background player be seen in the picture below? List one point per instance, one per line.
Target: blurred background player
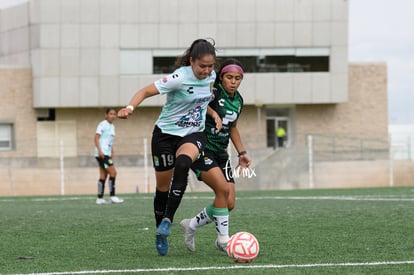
(214, 168)
(281, 136)
(104, 152)
(178, 137)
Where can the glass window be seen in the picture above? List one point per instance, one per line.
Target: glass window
(260, 64)
(6, 136)
(163, 65)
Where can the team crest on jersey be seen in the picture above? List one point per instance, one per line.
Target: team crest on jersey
(207, 161)
(193, 118)
(156, 161)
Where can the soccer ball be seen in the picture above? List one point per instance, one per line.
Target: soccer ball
(243, 247)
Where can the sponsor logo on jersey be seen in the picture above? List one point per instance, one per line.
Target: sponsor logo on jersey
(193, 118)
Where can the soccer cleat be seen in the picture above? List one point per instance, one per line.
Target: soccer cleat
(221, 243)
(221, 246)
(100, 201)
(164, 228)
(161, 244)
(189, 234)
(115, 199)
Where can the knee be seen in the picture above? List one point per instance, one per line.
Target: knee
(225, 191)
(181, 168)
(183, 163)
(221, 192)
(112, 174)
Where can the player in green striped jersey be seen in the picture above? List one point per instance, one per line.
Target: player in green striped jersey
(214, 166)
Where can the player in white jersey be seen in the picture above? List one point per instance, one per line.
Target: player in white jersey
(104, 151)
(178, 136)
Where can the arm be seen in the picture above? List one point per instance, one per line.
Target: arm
(137, 99)
(216, 117)
(244, 159)
(98, 145)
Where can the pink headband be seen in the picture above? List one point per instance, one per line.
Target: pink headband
(232, 67)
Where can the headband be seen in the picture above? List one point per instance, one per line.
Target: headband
(232, 67)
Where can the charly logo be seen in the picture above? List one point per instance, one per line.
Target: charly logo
(239, 171)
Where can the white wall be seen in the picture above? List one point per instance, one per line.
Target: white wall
(76, 45)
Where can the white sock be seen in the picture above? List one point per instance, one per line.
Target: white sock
(222, 227)
(200, 220)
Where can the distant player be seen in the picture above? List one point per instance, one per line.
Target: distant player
(104, 152)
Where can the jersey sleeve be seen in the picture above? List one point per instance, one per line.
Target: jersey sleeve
(100, 129)
(171, 82)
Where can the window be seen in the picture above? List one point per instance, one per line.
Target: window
(6, 136)
(163, 65)
(46, 114)
(271, 60)
(260, 63)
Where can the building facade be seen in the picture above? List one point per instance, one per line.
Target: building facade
(64, 61)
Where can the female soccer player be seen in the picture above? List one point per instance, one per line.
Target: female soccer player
(214, 167)
(178, 136)
(104, 152)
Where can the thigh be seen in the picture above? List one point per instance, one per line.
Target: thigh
(215, 180)
(192, 145)
(105, 162)
(204, 163)
(163, 149)
(226, 168)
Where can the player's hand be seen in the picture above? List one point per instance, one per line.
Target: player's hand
(244, 161)
(219, 123)
(101, 155)
(124, 113)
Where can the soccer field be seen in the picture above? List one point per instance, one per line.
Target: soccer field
(343, 231)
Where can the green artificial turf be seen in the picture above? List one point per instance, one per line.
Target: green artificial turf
(340, 231)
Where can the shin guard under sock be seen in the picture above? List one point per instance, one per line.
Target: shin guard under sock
(178, 185)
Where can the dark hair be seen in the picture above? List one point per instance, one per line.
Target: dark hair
(197, 50)
(226, 62)
(109, 109)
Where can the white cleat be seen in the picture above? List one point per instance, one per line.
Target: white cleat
(221, 243)
(101, 201)
(189, 234)
(115, 199)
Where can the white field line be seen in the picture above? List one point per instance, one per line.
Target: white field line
(334, 198)
(248, 266)
(189, 196)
